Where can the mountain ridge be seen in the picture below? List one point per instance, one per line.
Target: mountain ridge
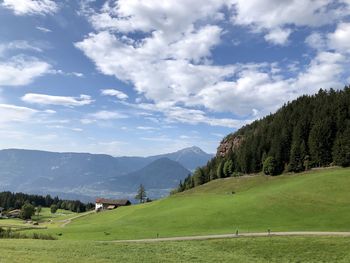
(85, 174)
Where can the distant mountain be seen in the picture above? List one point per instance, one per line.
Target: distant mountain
(162, 173)
(190, 158)
(85, 175)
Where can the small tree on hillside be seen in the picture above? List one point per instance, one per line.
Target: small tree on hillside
(219, 170)
(53, 209)
(141, 194)
(228, 168)
(269, 166)
(38, 210)
(27, 211)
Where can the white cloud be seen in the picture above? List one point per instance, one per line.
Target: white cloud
(43, 99)
(171, 65)
(258, 91)
(63, 73)
(115, 93)
(155, 74)
(107, 115)
(138, 15)
(77, 74)
(273, 14)
(13, 113)
(324, 71)
(316, 40)
(278, 36)
(44, 29)
(18, 45)
(31, 7)
(20, 71)
(146, 128)
(340, 39)
(64, 127)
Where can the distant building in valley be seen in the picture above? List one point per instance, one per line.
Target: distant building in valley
(109, 204)
(14, 213)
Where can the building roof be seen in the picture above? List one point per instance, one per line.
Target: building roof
(112, 202)
(16, 211)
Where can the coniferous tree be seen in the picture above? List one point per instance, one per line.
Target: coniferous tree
(219, 171)
(341, 149)
(228, 168)
(199, 177)
(141, 194)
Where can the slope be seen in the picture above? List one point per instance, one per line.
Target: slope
(314, 201)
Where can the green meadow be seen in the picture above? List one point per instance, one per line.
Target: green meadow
(243, 250)
(317, 200)
(313, 201)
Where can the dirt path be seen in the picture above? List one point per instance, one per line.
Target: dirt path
(272, 234)
(69, 220)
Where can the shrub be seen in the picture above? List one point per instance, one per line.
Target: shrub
(269, 166)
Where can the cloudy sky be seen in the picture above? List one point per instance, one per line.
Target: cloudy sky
(141, 77)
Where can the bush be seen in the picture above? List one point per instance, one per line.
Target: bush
(269, 166)
(27, 211)
(53, 209)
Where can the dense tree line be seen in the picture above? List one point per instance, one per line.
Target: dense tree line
(10, 201)
(311, 131)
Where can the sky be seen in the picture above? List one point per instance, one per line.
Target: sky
(144, 77)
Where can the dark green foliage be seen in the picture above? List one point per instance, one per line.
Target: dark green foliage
(220, 170)
(228, 168)
(341, 148)
(53, 209)
(199, 177)
(311, 131)
(11, 201)
(27, 211)
(269, 166)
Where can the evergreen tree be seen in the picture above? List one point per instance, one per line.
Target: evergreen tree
(141, 194)
(199, 177)
(341, 149)
(269, 166)
(228, 168)
(219, 171)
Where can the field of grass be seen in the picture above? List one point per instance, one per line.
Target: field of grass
(46, 215)
(273, 249)
(313, 201)
(45, 219)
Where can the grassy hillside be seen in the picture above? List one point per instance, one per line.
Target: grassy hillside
(252, 250)
(45, 219)
(316, 200)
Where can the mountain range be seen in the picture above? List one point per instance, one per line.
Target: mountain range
(85, 176)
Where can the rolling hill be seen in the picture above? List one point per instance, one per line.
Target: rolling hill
(318, 200)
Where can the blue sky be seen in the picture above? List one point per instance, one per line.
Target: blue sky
(134, 77)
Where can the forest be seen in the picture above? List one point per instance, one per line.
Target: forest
(311, 131)
(10, 201)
